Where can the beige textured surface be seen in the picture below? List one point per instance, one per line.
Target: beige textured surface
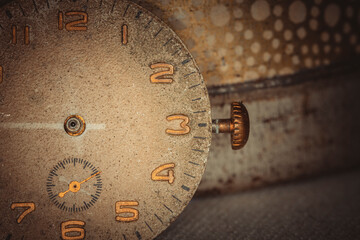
(325, 208)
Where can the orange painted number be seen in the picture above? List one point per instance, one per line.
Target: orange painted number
(128, 213)
(170, 173)
(184, 125)
(164, 73)
(30, 208)
(75, 25)
(1, 74)
(72, 230)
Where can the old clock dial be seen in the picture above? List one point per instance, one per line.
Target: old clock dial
(104, 121)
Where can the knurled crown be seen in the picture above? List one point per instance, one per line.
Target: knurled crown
(240, 125)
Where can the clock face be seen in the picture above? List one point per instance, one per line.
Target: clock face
(105, 121)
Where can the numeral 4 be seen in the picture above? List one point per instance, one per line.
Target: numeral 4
(170, 174)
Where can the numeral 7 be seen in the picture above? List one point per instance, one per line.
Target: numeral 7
(30, 208)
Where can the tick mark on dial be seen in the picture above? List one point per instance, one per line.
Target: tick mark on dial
(185, 188)
(158, 218)
(200, 111)
(168, 208)
(148, 24)
(138, 14)
(138, 235)
(176, 198)
(186, 75)
(194, 86)
(189, 175)
(35, 7)
(198, 150)
(8, 14)
(196, 99)
(202, 124)
(167, 42)
(113, 6)
(126, 9)
(21, 9)
(176, 52)
(194, 163)
(158, 32)
(186, 61)
(149, 226)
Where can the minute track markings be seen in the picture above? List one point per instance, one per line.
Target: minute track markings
(168, 208)
(158, 32)
(194, 86)
(35, 7)
(148, 24)
(189, 175)
(149, 226)
(158, 218)
(138, 14)
(127, 8)
(22, 10)
(113, 6)
(167, 42)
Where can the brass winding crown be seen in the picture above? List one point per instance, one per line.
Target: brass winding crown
(238, 125)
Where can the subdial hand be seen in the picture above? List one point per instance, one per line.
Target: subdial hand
(74, 186)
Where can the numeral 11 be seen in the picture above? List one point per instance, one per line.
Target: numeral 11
(26, 35)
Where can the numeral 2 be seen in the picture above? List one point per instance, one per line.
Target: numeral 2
(73, 25)
(30, 208)
(164, 74)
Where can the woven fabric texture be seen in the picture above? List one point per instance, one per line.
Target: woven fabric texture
(322, 208)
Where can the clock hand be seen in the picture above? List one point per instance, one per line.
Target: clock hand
(74, 186)
(94, 175)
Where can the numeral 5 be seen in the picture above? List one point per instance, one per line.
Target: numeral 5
(125, 209)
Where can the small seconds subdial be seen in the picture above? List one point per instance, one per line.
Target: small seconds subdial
(74, 185)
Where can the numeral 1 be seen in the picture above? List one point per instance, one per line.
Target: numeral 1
(72, 230)
(30, 208)
(124, 34)
(14, 35)
(125, 209)
(1, 74)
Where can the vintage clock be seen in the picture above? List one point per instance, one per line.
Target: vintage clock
(105, 121)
